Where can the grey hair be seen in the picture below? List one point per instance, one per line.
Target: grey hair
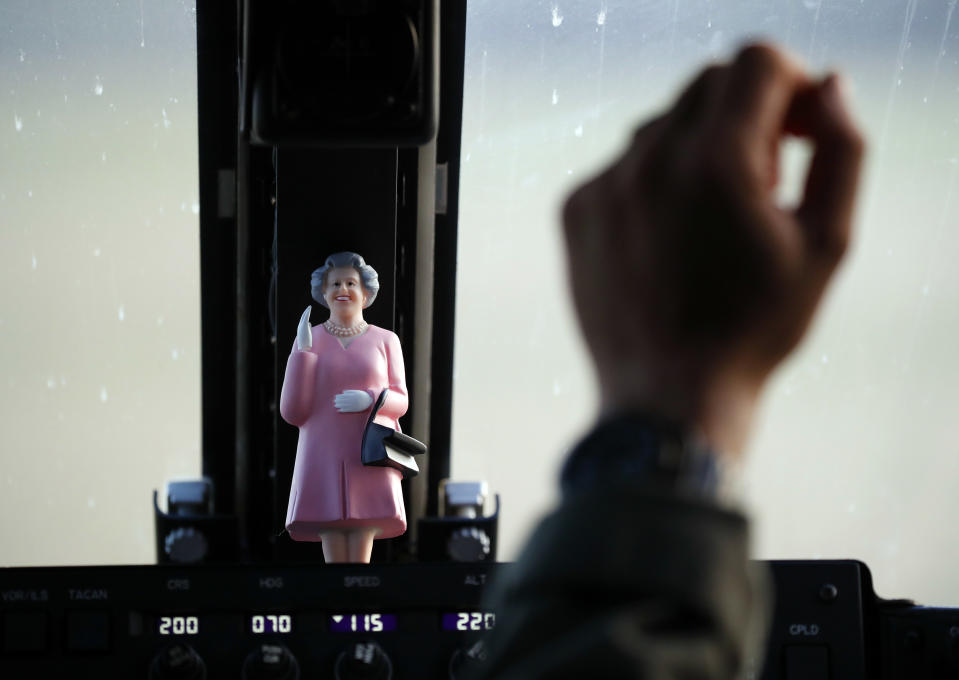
(368, 276)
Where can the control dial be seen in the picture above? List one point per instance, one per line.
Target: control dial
(185, 544)
(271, 661)
(178, 661)
(363, 661)
(466, 660)
(468, 544)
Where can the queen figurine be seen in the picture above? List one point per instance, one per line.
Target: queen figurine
(333, 375)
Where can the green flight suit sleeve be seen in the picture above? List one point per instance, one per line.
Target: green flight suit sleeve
(630, 581)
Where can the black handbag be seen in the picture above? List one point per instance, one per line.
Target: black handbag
(385, 447)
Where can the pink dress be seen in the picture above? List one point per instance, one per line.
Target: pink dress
(331, 488)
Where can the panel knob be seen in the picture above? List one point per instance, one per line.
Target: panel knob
(363, 661)
(178, 661)
(466, 660)
(468, 544)
(185, 544)
(271, 661)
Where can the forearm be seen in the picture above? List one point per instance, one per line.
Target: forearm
(297, 393)
(397, 400)
(625, 581)
(643, 565)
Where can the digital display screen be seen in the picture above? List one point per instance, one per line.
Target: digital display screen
(178, 625)
(464, 621)
(261, 624)
(362, 623)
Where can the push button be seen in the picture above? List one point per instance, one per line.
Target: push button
(88, 631)
(24, 631)
(807, 662)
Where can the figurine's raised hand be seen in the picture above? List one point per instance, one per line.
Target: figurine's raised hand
(304, 333)
(352, 401)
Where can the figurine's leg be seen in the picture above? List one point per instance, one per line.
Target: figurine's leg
(360, 542)
(334, 546)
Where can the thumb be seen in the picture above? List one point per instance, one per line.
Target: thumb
(825, 212)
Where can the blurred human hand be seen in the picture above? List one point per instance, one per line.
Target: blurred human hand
(690, 282)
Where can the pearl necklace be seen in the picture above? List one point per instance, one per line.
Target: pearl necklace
(339, 331)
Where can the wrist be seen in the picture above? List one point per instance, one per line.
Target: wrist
(648, 453)
(720, 410)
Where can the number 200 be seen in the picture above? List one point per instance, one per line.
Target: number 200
(179, 625)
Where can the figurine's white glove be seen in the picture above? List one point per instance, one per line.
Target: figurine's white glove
(352, 401)
(304, 333)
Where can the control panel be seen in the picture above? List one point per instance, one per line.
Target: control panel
(824, 625)
(282, 622)
(383, 621)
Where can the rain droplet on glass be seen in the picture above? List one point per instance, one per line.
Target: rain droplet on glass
(103, 394)
(557, 17)
(121, 313)
(98, 87)
(579, 130)
(17, 122)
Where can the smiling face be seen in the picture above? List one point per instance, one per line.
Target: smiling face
(344, 292)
